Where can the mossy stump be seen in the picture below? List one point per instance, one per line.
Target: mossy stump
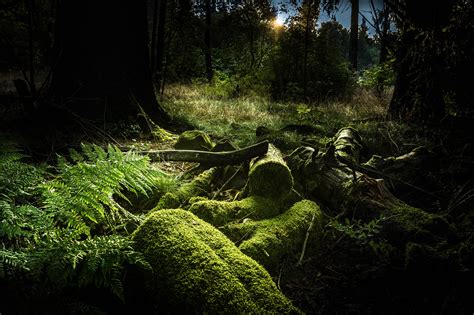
(197, 269)
(269, 176)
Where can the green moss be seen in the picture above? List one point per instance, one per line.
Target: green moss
(271, 239)
(219, 213)
(269, 176)
(199, 270)
(409, 223)
(194, 140)
(198, 186)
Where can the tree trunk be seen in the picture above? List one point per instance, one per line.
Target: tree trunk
(207, 40)
(154, 27)
(160, 45)
(354, 34)
(306, 44)
(102, 52)
(30, 6)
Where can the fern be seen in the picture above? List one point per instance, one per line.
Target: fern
(43, 221)
(17, 179)
(99, 261)
(84, 194)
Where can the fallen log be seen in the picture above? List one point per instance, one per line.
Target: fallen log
(199, 270)
(210, 158)
(334, 177)
(269, 176)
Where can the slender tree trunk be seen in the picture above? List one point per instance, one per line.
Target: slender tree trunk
(102, 52)
(354, 34)
(160, 45)
(384, 35)
(30, 5)
(207, 40)
(306, 44)
(153, 37)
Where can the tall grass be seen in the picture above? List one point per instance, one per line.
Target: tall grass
(237, 118)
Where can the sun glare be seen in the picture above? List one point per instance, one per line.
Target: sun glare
(278, 22)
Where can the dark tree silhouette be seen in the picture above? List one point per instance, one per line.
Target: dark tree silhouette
(354, 34)
(102, 52)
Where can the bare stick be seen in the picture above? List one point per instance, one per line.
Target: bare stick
(210, 158)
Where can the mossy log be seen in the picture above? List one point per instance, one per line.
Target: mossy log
(269, 176)
(219, 213)
(197, 269)
(268, 241)
(334, 177)
(198, 186)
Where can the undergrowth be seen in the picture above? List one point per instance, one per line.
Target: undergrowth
(68, 225)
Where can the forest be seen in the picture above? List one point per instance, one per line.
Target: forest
(236, 157)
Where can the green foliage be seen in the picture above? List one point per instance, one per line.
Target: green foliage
(364, 234)
(55, 229)
(377, 76)
(83, 193)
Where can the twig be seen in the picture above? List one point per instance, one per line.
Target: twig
(305, 243)
(227, 182)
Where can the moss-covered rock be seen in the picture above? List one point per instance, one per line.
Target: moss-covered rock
(269, 176)
(198, 186)
(197, 269)
(194, 140)
(267, 241)
(219, 213)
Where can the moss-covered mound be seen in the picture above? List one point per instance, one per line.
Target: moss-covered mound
(194, 140)
(219, 213)
(271, 239)
(197, 269)
(269, 176)
(198, 186)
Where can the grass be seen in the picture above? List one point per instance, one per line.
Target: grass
(237, 118)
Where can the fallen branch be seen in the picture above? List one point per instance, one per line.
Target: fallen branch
(210, 158)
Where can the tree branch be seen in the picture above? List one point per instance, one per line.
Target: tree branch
(210, 158)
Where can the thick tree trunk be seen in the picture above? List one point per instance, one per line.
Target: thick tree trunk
(354, 37)
(154, 27)
(102, 53)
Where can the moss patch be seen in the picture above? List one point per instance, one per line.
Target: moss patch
(267, 241)
(219, 213)
(269, 176)
(408, 223)
(194, 140)
(198, 269)
(198, 186)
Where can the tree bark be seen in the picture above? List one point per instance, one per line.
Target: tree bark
(354, 37)
(102, 52)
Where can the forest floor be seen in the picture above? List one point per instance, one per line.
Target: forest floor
(349, 276)
(354, 271)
